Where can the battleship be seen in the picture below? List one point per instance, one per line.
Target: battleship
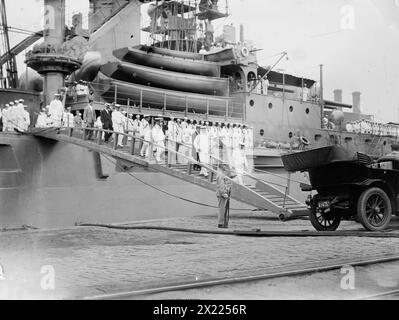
(49, 179)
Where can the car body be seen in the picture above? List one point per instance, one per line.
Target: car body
(348, 186)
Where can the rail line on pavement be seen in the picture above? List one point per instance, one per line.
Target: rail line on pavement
(382, 295)
(243, 279)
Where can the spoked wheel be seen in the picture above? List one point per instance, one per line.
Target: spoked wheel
(374, 209)
(322, 221)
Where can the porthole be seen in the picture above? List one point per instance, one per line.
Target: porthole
(385, 143)
(367, 140)
(252, 103)
(290, 135)
(348, 139)
(262, 132)
(317, 137)
(291, 108)
(270, 105)
(307, 110)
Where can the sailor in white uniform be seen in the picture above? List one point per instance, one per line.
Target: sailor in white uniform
(239, 162)
(56, 110)
(5, 116)
(12, 117)
(201, 145)
(68, 119)
(43, 119)
(118, 123)
(223, 136)
(146, 134)
(187, 143)
(25, 118)
(214, 144)
(172, 134)
(158, 137)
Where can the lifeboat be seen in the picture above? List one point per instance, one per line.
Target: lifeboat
(215, 56)
(167, 62)
(158, 98)
(130, 72)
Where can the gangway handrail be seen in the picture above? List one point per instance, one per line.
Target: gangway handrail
(152, 144)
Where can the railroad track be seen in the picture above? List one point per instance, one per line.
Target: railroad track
(393, 294)
(236, 280)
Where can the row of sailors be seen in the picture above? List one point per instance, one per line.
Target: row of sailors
(207, 143)
(14, 116)
(369, 127)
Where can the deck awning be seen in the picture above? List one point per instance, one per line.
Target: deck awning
(289, 80)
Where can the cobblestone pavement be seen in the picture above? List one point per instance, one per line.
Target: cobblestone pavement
(93, 261)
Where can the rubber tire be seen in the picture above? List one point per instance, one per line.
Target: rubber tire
(316, 224)
(361, 209)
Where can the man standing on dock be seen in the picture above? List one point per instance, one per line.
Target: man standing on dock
(223, 193)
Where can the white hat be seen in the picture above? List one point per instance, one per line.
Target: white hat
(12, 103)
(21, 100)
(7, 105)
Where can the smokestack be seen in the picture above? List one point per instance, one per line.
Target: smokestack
(356, 102)
(338, 95)
(242, 39)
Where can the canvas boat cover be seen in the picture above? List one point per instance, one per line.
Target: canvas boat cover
(303, 161)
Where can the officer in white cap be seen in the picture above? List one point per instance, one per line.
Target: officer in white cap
(56, 110)
(118, 123)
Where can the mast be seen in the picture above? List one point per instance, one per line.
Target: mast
(12, 72)
(174, 23)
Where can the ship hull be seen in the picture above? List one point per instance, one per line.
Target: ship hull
(53, 184)
(169, 63)
(130, 72)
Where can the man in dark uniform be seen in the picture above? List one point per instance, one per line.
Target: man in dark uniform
(106, 119)
(223, 193)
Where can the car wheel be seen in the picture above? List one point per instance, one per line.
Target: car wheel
(322, 221)
(374, 209)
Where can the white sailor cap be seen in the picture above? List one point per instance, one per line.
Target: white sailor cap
(21, 100)
(12, 103)
(147, 116)
(7, 105)
(57, 95)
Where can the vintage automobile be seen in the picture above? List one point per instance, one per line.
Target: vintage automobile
(348, 186)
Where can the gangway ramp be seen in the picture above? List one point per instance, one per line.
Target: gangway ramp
(258, 194)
